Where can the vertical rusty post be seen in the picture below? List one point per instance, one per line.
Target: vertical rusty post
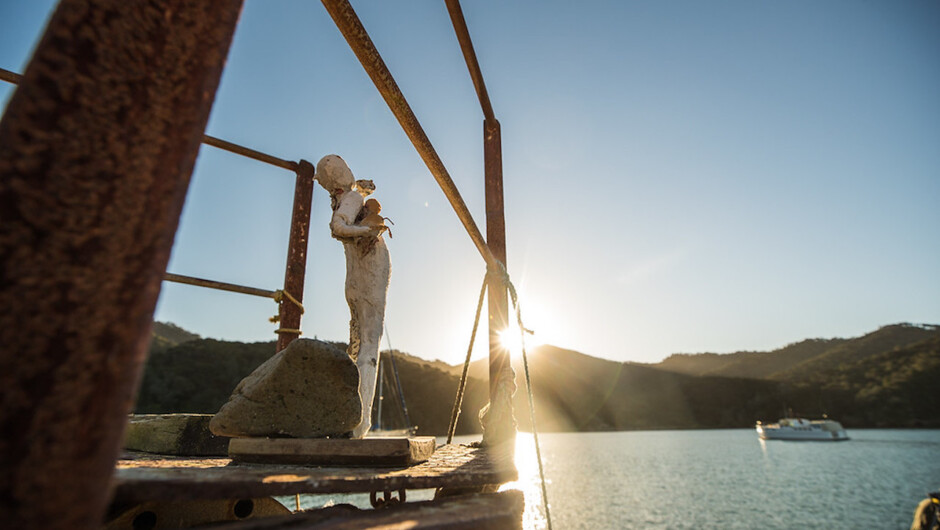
(499, 423)
(289, 312)
(97, 146)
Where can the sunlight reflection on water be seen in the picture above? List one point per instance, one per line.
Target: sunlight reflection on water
(529, 483)
(718, 479)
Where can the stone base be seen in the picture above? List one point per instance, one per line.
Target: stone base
(174, 434)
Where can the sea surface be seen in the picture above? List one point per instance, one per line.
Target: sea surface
(720, 479)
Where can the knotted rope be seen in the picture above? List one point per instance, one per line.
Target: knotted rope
(279, 297)
(502, 276)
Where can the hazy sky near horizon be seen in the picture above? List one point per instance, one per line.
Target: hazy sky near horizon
(679, 176)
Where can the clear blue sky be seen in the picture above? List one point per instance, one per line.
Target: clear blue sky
(679, 176)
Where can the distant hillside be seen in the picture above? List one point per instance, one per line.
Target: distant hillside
(757, 365)
(577, 392)
(166, 335)
(185, 373)
(885, 378)
(798, 361)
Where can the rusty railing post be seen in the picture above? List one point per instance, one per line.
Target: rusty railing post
(289, 312)
(97, 146)
(499, 425)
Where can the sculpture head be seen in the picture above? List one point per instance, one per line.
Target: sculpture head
(372, 206)
(333, 173)
(365, 187)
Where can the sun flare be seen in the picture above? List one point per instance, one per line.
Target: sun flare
(512, 340)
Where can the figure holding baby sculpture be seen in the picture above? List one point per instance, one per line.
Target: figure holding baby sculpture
(357, 224)
(309, 389)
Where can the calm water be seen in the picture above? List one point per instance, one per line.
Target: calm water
(723, 479)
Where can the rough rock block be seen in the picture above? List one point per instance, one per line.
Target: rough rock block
(174, 434)
(308, 390)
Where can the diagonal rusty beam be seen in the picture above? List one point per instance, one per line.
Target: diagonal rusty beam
(470, 56)
(358, 39)
(97, 146)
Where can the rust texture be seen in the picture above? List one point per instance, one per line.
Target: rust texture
(96, 150)
(502, 378)
(358, 39)
(221, 286)
(470, 56)
(250, 153)
(10, 77)
(15, 78)
(289, 314)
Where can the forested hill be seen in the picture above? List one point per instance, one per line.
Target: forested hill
(804, 360)
(885, 378)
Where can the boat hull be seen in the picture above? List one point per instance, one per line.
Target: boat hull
(803, 430)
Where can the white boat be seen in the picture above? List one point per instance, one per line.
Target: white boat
(802, 429)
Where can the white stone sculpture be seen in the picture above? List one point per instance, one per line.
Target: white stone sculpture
(368, 269)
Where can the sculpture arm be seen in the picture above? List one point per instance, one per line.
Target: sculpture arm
(341, 227)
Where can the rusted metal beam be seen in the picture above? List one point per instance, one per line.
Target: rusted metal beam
(470, 56)
(10, 77)
(97, 146)
(250, 153)
(500, 425)
(221, 286)
(358, 39)
(15, 78)
(289, 314)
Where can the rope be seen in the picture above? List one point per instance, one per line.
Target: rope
(280, 294)
(279, 297)
(500, 272)
(458, 401)
(528, 386)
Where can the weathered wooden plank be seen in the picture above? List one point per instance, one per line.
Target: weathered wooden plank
(141, 477)
(376, 452)
(493, 511)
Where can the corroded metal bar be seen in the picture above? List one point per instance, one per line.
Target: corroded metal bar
(10, 77)
(501, 426)
(222, 286)
(355, 34)
(96, 150)
(296, 255)
(250, 153)
(15, 78)
(470, 56)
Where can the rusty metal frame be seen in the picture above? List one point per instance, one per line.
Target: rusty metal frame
(212, 26)
(97, 146)
(493, 249)
(289, 312)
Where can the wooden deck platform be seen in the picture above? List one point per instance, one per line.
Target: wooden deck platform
(141, 477)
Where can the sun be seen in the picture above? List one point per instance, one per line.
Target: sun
(511, 339)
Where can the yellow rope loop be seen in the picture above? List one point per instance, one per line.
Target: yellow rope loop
(280, 294)
(287, 330)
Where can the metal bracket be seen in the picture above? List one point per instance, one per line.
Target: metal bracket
(387, 500)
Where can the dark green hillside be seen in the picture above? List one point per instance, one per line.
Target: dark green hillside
(842, 356)
(756, 365)
(886, 378)
(429, 394)
(197, 376)
(797, 362)
(576, 392)
(166, 335)
(895, 388)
